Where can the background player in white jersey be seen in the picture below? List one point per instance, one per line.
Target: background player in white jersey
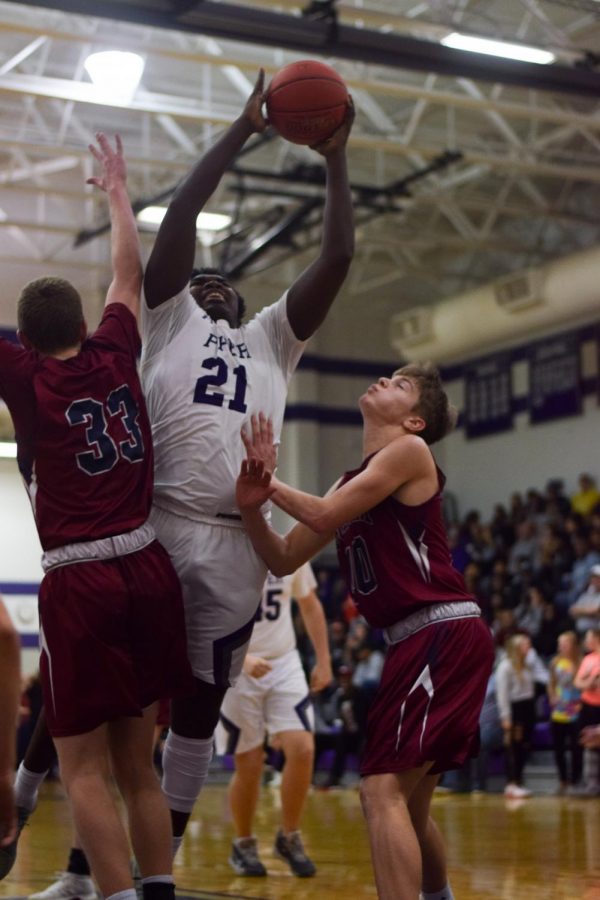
(204, 375)
(272, 697)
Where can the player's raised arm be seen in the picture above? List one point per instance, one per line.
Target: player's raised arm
(172, 257)
(10, 689)
(312, 294)
(126, 282)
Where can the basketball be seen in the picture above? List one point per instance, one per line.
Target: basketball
(306, 102)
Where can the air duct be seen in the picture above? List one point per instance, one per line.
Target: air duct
(517, 308)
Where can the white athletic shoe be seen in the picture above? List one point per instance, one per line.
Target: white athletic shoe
(516, 792)
(68, 887)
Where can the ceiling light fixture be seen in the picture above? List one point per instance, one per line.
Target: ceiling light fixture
(115, 73)
(153, 215)
(8, 450)
(519, 52)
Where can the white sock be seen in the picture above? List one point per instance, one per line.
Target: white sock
(176, 842)
(130, 894)
(27, 785)
(152, 879)
(185, 767)
(444, 894)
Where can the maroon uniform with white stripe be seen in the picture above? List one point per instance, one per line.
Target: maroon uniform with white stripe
(111, 626)
(395, 558)
(397, 563)
(83, 436)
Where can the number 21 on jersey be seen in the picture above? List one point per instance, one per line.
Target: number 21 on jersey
(207, 386)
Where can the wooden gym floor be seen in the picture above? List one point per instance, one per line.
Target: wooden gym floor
(510, 850)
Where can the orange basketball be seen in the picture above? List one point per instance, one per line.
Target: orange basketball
(306, 102)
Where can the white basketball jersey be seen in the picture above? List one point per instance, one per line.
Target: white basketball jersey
(273, 633)
(203, 380)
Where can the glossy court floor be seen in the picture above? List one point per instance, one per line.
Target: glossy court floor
(546, 847)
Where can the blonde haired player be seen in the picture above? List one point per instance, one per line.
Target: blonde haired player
(272, 697)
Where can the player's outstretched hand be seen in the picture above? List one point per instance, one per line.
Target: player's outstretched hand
(259, 443)
(114, 170)
(337, 141)
(254, 104)
(253, 486)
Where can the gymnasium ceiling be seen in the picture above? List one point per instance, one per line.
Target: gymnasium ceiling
(524, 190)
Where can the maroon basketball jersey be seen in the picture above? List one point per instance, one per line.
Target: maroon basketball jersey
(83, 437)
(395, 558)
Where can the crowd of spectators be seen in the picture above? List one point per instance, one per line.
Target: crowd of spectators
(534, 568)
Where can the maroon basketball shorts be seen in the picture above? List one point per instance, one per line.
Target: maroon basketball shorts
(429, 700)
(113, 639)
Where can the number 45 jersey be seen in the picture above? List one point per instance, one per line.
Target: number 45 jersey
(83, 437)
(203, 380)
(273, 635)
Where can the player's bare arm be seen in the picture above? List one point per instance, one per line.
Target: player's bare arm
(10, 689)
(313, 292)
(126, 282)
(406, 460)
(282, 554)
(316, 627)
(172, 257)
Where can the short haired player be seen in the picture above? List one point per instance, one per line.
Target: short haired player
(204, 373)
(386, 516)
(111, 618)
(271, 698)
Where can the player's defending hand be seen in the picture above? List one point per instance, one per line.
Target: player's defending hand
(337, 141)
(253, 486)
(254, 103)
(256, 666)
(114, 170)
(260, 444)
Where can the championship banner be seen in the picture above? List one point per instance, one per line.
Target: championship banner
(555, 387)
(488, 396)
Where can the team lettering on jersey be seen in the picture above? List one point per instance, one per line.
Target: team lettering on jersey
(221, 342)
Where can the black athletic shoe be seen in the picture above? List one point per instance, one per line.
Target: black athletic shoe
(244, 858)
(8, 854)
(291, 849)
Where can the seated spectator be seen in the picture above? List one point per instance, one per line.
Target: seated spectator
(504, 626)
(530, 611)
(576, 582)
(367, 672)
(587, 497)
(553, 623)
(557, 503)
(525, 548)
(586, 610)
(565, 705)
(340, 724)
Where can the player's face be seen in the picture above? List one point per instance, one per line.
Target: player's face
(216, 297)
(390, 399)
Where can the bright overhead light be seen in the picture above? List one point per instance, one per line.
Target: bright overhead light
(8, 450)
(498, 48)
(115, 73)
(153, 215)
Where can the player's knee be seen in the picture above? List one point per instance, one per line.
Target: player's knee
(300, 750)
(185, 767)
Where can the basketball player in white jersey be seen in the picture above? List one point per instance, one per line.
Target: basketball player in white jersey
(272, 697)
(204, 375)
